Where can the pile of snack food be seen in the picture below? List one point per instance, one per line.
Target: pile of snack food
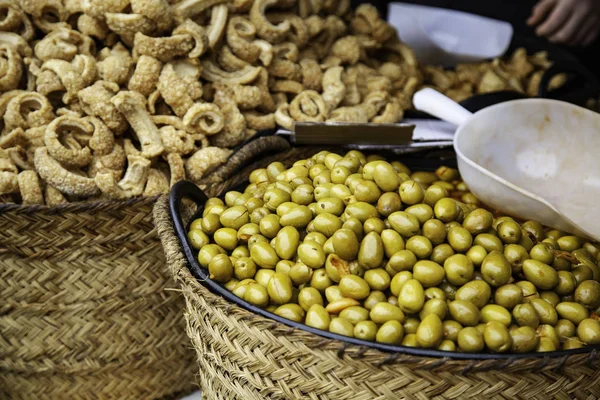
(111, 99)
(368, 249)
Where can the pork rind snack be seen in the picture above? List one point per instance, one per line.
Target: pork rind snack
(113, 99)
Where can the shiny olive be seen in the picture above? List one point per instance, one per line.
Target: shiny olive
(582, 273)
(386, 177)
(405, 224)
(370, 253)
(264, 255)
(341, 326)
(509, 232)
(398, 280)
(434, 306)
(388, 203)
(317, 317)
(253, 203)
(365, 330)
(339, 174)
(489, 242)
(220, 268)
(459, 269)
(435, 231)
(548, 332)
(244, 268)
(566, 283)
(565, 328)
(450, 329)
(588, 293)
(429, 333)
(495, 312)
(497, 337)
(258, 214)
(496, 269)
(367, 191)
(340, 191)
(524, 339)
(508, 296)
(447, 345)
(197, 238)
(230, 198)
(285, 207)
(411, 296)
(550, 297)
(449, 290)
(331, 205)
(478, 221)
(420, 246)
(470, 340)
(355, 226)
(589, 331)
(352, 181)
(333, 293)
(316, 237)
(320, 280)
(361, 211)
(404, 260)
(446, 210)
(410, 340)
(354, 287)
(280, 288)
(290, 311)
(231, 284)
(384, 312)
(269, 226)
(210, 223)
(441, 253)
(273, 170)
(373, 298)
(257, 295)
(515, 255)
(541, 275)
(429, 273)
(411, 192)
(323, 191)
(273, 197)
(465, 312)
(308, 297)
(424, 177)
(247, 231)
(214, 201)
(447, 174)
(572, 343)
(287, 242)
(541, 252)
(355, 314)
(208, 252)
(433, 194)
(298, 217)
(592, 249)
(311, 254)
(572, 311)
(569, 243)
(345, 244)
(392, 242)
(350, 161)
(530, 292)
(547, 313)
(327, 224)
(263, 276)
(545, 345)
(476, 292)
(377, 279)
(373, 225)
(391, 332)
(240, 251)
(460, 239)
(338, 305)
(284, 266)
(535, 229)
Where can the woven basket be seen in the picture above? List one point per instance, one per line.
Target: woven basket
(242, 355)
(87, 306)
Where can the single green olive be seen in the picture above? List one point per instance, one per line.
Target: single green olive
(345, 244)
(285, 207)
(367, 191)
(264, 255)
(214, 201)
(258, 214)
(316, 237)
(230, 198)
(411, 192)
(257, 295)
(516, 255)
(208, 252)
(465, 312)
(373, 225)
(263, 276)
(333, 293)
(377, 279)
(420, 246)
(373, 298)
(331, 205)
(284, 266)
(308, 297)
(508, 296)
(589, 331)
(434, 293)
(392, 242)
(253, 203)
(280, 288)
(477, 254)
(446, 210)
(459, 269)
(582, 273)
(350, 161)
(572, 343)
(398, 280)
(447, 345)
(478, 292)
(340, 191)
(470, 340)
(435, 231)
(496, 269)
(566, 283)
(410, 340)
(434, 306)
(572, 311)
(411, 296)
(355, 314)
(547, 313)
(354, 287)
(247, 231)
(386, 177)
(550, 297)
(384, 312)
(403, 260)
(509, 232)
(489, 242)
(428, 273)
(391, 332)
(297, 217)
(215, 209)
(588, 293)
(244, 268)
(341, 326)
(460, 239)
(352, 181)
(361, 211)
(549, 332)
(311, 254)
(535, 229)
(424, 177)
(269, 226)
(320, 280)
(197, 238)
(411, 325)
(497, 337)
(287, 242)
(339, 174)
(524, 339)
(327, 224)
(530, 292)
(569, 243)
(317, 317)
(220, 268)
(231, 284)
(429, 333)
(450, 329)
(370, 253)
(441, 253)
(495, 312)
(355, 226)
(404, 223)
(433, 194)
(541, 275)
(210, 224)
(290, 311)
(365, 330)
(565, 328)
(545, 345)
(323, 191)
(273, 197)
(541, 252)
(449, 290)
(389, 203)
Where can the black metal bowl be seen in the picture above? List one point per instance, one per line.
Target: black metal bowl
(186, 189)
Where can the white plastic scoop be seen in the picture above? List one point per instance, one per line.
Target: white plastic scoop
(534, 159)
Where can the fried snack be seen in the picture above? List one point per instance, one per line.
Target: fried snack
(204, 161)
(30, 187)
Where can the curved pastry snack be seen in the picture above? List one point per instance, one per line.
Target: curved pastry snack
(204, 161)
(62, 179)
(30, 187)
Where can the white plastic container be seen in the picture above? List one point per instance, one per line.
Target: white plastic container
(447, 37)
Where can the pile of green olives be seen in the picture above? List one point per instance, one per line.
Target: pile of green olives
(369, 249)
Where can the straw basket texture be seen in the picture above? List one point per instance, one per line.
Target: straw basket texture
(244, 356)
(85, 306)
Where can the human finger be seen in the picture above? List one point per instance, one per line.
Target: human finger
(540, 11)
(588, 27)
(569, 30)
(557, 19)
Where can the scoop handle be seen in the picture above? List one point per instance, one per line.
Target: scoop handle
(434, 103)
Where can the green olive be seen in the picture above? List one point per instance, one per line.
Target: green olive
(582, 273)
(476, 292)
(333, 293)
(311, 254)
(317, 317)
(339, 174)
(450, 329)
(404, 223)
(345, 244)
(449, 290)
(231, 284)
(355, 226)
(263, 276)
(476, 254)
(496, 269)
(412, 192)
(547, 313)
(529, 290)
(495, 312)
(298, 217)
(391, 332)
(355, 314)
(489, 242)
(338, 305)
(424, 177)
(367, 191)
(429, 334)
(361, 211)
(541, 252)
(352, 181)
(447, 174)
(515, 255)
(285, 207)
(208, 252)
(541, 275)
(244, 268)
(280, 288)
(197, 238)
(428, 273)
(284, 266)
(269, 226)
(253, 203)
(411, 325)
(319, 158)
(569, 243)
(433, 194)
(441, 253)
(373, 298)
(565, 328)
(373, 225)
(215, 209)
(470, 198)
(572, 343)
(320, 280)
(349, 161)
(420, 246)
(331, 205)
(210, 223)
(257, 295)
(273, 197)
(290, 311)
(392, 242)
(316, 237)
(465, 312)
(566, 283)
(287, 242)
(545, 345)
(308, 297)
(572, 311)
(470, 340)
(589, 331)
(354, 287)
(509, 232)
(434, 306)
(384, 312)
(403, 260)
(264, 255)
(247, 231)
(327, 224)
(548, 332)
(398, 280)
(535, 229)
(497, 337)
(588, 293)
(377, 279)
(214, 201)
(220, 268)
(459, 269)
(230, 198)
(370, 253)
(410, 340)
(478, 221)
(508, 296)
(340, 191)
(446, 210)
(273, 170)
(323, 191)
(447, 345)
(389, 203)
(524, 339)
(365, 330)
(550, 297)
(435, 231)
(258, 214)
(341, 326)
(434, 293)
(411, 296)
(386, 177)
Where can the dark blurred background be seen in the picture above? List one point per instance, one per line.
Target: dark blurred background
(514, 11)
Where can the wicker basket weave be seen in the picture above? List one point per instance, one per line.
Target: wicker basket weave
(85, 306)
(245, 356)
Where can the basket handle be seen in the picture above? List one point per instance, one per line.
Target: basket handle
(179, 191)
